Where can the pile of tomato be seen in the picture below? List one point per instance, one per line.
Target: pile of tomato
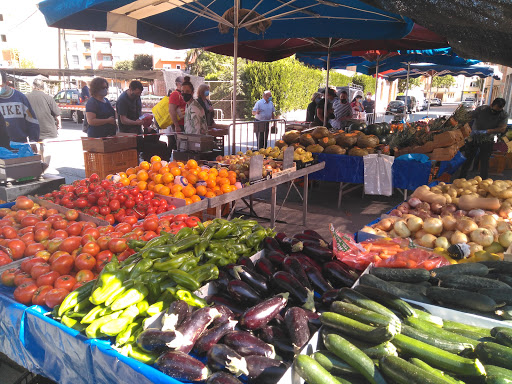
(108, 200)
(66, 253)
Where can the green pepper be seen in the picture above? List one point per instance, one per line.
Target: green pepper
(239, 249)
(123, 337)
(163, 302)
(167, 283)
(75, 315)
(93, 314)
(205, 272)
(184, 244)
(216, 252)
(73, 298)
(157, 252)
(84, 305)
(131, 312)
(72, 323)
(105, 311)
(136, 244)
(118, 292)
(210, 231)
(131, 296)
(224, 231)
(182, 233)
(160, 240)
(143, 356)
(248, 223)
(200, 226)
(142, 306)
(191, 299)
(189, 264)
(243, 237)
(172, 263)
(184, 279)
(115, 326)
(219, 260)
(142, 266)
(154, 290)
(256, 238)
(200, 247)
(220, 221)
(55, 312)
(152, 276)
(129, 260)
(108, 283)
(93, 329)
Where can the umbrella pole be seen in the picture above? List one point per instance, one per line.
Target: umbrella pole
(376, 88)
(482, 92)
(489, 99)
(429, 89)
(327, 83)
(407, 84)
(235, 75)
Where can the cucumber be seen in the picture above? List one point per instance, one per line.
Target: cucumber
(499, 295)
(473, 269)
(403, 275)
(360, 314)
(498, 266)
(374, 351)
(497, 380)
(505, 278)
(374, 281)
(493, 370)
(334, 364)
(472, 283)
(505, 312)
(362, 300)
(460, 298)
(441, 333)
(437, 357)
(425, 316)
(351, 380)
(354, 357)
(436, 372)
(311, 371)
(400, 371)
(388, 299)
(431, 339)
(503, 335)
(460, 328)
(495, 354)
(420, 289)
(357, 329)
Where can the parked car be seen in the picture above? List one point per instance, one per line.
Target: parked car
(70, 97)
(470, 104)
(411, 103)
(436, 101)
(395, 107)
(424, 105)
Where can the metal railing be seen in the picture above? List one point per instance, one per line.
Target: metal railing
(242, 137)
(219, 114)
(375, 117)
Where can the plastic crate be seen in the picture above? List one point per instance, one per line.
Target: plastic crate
(109, 163)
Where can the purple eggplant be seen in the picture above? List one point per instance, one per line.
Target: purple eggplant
(222, 378)
(338, 276)
(242, 292)
(330, 296)
(226, 314)
(297, 322)
(154, 340)
(182, 366)
(276, 258)
(176, 314)
(221, 283)
(284, 348)
(264, 267)
(317, 280)
(259, 365)
(212, 336)
(191, 330)
(314, 234)
(306, 260)
(258, 316)
(307, 239)
(269, 333)
(247, 262)
(271, 244)
(221, 300)
(285, 282)
(246, 344)
(289, 244)
(293, 266)
(221, 357)
(313, 318)
(318, 253)
(251, 277)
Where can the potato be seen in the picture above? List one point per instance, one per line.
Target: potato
(478, 179)
(436, 190)
(494, 190)
(473, 182)
(452, 192)
(482, 192)
(448, 198)
(441, 184)
(473, 188)
(505, 194)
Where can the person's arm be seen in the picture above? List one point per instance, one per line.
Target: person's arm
(126, 121)
(59, 121)
(92, 120)
(55, 112)
(31, 121)
(255, 109)
(320, 113)
(501, 128)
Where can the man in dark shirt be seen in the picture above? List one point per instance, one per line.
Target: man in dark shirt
(368, 103)
(487, 122)
(129, 109)
(320, 107)
(85, 94)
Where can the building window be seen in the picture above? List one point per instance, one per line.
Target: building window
(87, 45)
(88, 58)
(107, 58)
(3, 38)
(178, 66)
(75, 60)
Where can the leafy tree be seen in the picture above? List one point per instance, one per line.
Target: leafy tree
(143, 62)
(125, 65)
(367, 82)
(207, 64)
(443, 81)
(26, 63)
(413, 82)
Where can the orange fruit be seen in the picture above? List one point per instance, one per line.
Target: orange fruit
(144, 165)
(232, 179)
(201, 190)
(157, 188)
(176, 188)
(142, 185)
(213, 171)
(131, 177)
(167, 178)
(218, 192)
(179, 195)
(125, 181)
(191, 164)
(188, 201)
(133, 183)
(163, 170)
(165, 191)
(231, 173)
(158, 178)
(211, 183)
(192, 179)
(151, 186)
(142, 175)
(131, 171)
(172, 164)
(225, 188)
(203, 175)
(223, 180)
(155, 158)
(122, 174)
(188, 191)
(210, 194)
(180, 164)
(195, 198)
(176, 171)
(223, 172)
(156, 166)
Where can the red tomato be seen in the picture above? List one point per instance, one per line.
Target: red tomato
(41, 234)
(192, 221)
(85, 275)
(55, 296)
(54, 244)
(72, 214)
(125, 254)
(106, 229)
(30, 220)
(91, 231)
(40, 294)
(74, 229)
(33, 248)
(70, 244)
(27, 238)
(92, 248)
(130, 220)
(27, 264)
(180, 217)
(65, 281)
(148, 235)
(59, 233)
(129, 203)
(24, 292)
(7, 277)
(17, 248)
(150, 224)
(26, 230)
(177, 225)
(104, 210)
(63, 264)
(56, 255)
(110, 218)
(48, 278)
(21, 278)
(85, 261)
(117, 245)
(60, 224)
(123, 227)
(114, 205)
(86, 239)
(92, 198)
(102, 259)
(42, 225)
(45, 255)
(39, 269)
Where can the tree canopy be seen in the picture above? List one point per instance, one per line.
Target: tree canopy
(143, 62)
(402, 84)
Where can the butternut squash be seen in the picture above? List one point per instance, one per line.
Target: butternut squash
(468, 202)
(424, 194)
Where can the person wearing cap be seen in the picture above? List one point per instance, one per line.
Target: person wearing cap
(319, 115)
(263, 111)
(46, 110)
(177, 111)
(368, 103)
(311, 110)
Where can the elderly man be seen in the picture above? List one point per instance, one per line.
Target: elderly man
(342, 111)
(263, 111)
(46, 110)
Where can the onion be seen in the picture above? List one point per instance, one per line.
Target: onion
(404, 207)
(442, 242)
(424, 215)
(420, 234)
(414, 202)
(476, 213)
(384, 225)
(474, 247)
(482, 236)
(395, 212)
(428, 241)
(487, 220)
(458, 237)
(505, 212)
(447, 234)
(401, 229)
(459, 213)
(449, 222)
(380, 232)
(505, 239)
(436, 208)
(503, 226)
(466, 225)
(392, 234)
(433, 226)
(448, 209)
(368, 230)
(414, 224)
(425, 206)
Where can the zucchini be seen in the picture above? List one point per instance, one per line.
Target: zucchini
(388, 299)
(420, 289)
(374, 351)
(497, 380)
(374, 281)
(436, 372)
(495, 354)
(403, 275)
(431, 339)
(460, 298)
(361, 299)
(400, 371)
(493, 370)
(473, 269)
(354, 357)
(441, 333)
(503, 335)
(360, 314)
(498, 266)
(505, 278)
(460, 328)
(357, 329)
(505, 312)
(499, 295)
(334, 364)
(352, 380)
(437, 357)
(312, 372)
(471, 283)
(425, 316)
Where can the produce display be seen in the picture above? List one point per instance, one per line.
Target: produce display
(371, 336)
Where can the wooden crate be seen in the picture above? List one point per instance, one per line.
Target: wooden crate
(109, 163)
(109, 144)
(497, 163)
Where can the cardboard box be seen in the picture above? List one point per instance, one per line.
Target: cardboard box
(425, 148)
(443, 154)
(109, 144)
(447, 139)
(195, 143)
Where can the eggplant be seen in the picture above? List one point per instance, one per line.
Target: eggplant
(329, 297)
(271, 244)
(222, 378)
(221, 300)
(314, 234)
(191, 330)
(264, 267)
(284, 348)
(221, 357)
(289, 244)
(339, 276)
(212, 336)
(226, 314)
(242, 292)
(317, 280)
(258, 316)
(246, 344)
(318, 253)
(254, 279)
(154, 322)
(247, 262)
(176, 314)
(221, 283)
(258, 365)
(269, 333)
(154, 340)
(296, 321)
(276, 258)
(306, 260)
(182, 366)
(293, 266)
(283, 281)
(313, 318)
(307, 239)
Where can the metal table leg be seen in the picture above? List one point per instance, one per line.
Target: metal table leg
(273, 198)
(305, 200)
(340, 195)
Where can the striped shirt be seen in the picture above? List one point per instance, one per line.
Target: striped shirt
(340, 110)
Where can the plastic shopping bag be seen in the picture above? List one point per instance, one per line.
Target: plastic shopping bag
(378, 177)
(161, 113)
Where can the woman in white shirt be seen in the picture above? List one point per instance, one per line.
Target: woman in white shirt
(195, 119)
